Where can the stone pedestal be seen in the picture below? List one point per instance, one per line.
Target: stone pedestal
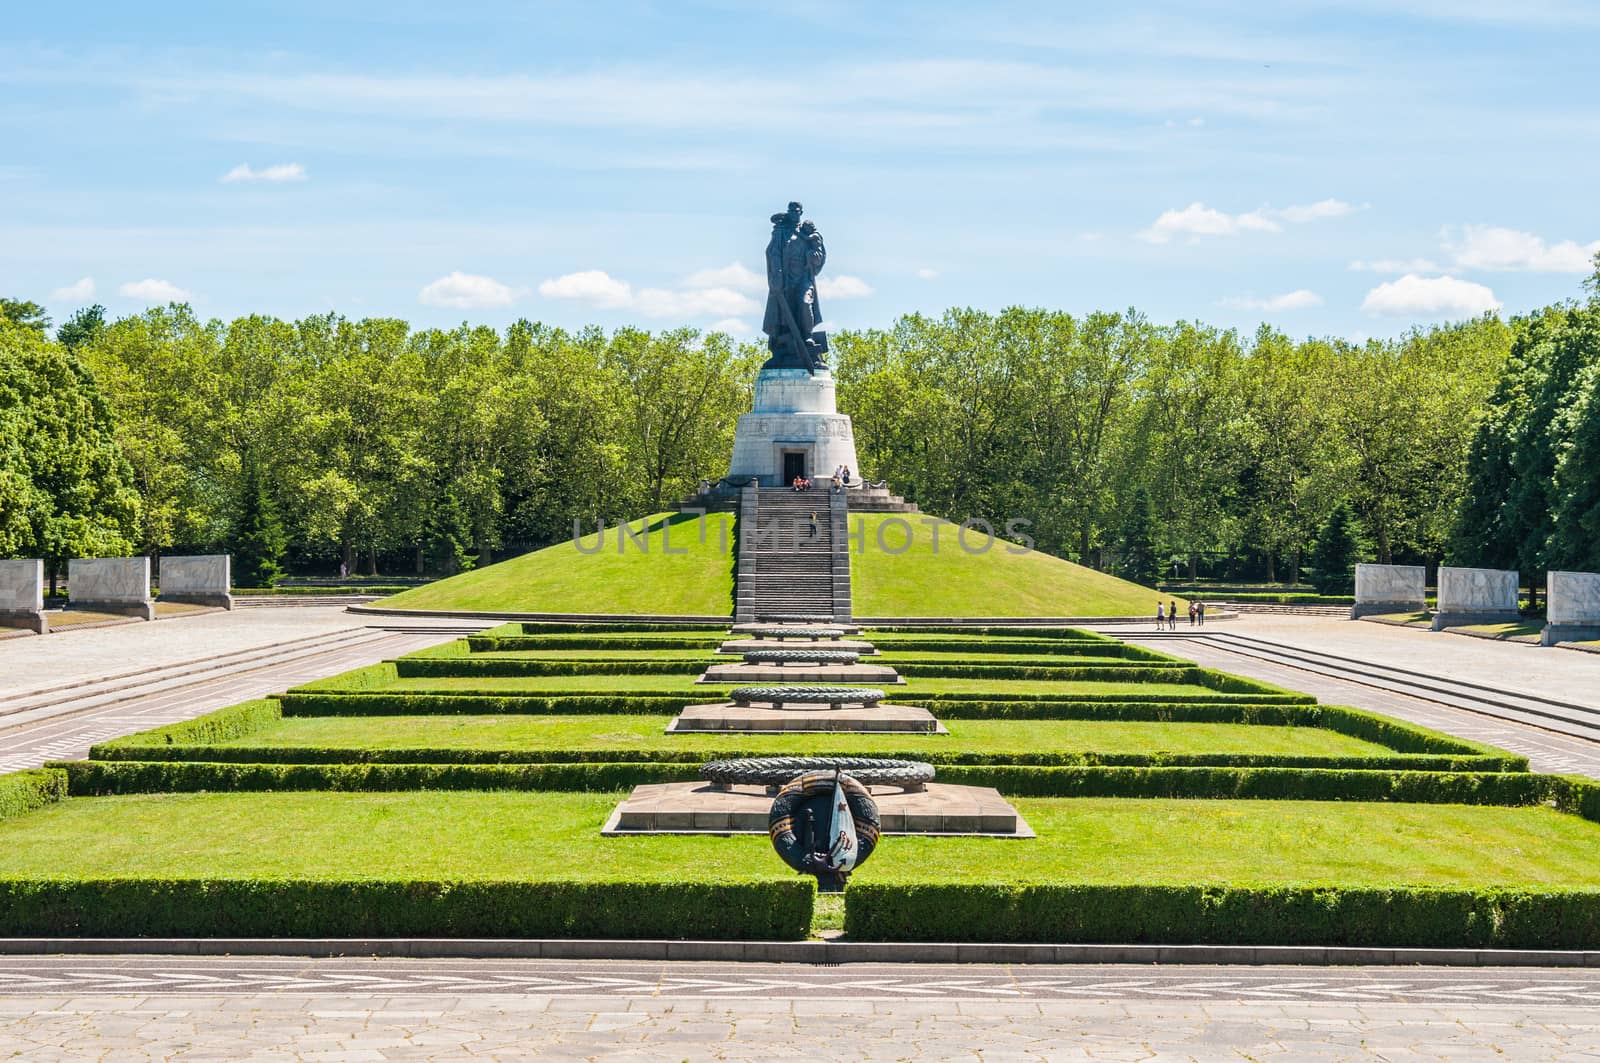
(1572, 607)
(1475, 596)
(800, 673)
(698, 808)
(794, 413)
(22, 595)
(726, 716)
(1384, 589)
(111, 585)
(202, 579)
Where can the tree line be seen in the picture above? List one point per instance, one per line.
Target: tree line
(1143, 448)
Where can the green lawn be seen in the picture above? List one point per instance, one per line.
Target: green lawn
(490, 835)
(1511, 631)
(607, 733)
(562, 579)
(949, 581)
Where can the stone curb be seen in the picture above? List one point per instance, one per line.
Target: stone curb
(815, 952)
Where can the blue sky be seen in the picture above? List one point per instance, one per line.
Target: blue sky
(1351, 167)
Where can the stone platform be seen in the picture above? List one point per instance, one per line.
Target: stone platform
(726, 716)
(800, 673)
(738, 646)
(698, 808)
(757, 629)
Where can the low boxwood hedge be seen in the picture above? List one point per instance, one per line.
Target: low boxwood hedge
(1092, 651)
(1132, 672)
(1220, 915)
(23, 791)
(1068, 634)
(540, 627)
(96, 778)
(414, 704)
(777, 910)
(422, 668)
(480, 644)
(99, 778)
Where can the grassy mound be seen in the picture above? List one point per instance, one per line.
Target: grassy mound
(678, 567)
(902, 566)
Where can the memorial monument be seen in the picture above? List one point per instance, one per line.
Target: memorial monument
(794, 427)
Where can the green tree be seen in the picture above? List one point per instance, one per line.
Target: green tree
(82, 327)
(1339, 546)
(65, 488)
(1137, 551)
(28, 315)
(258, 539)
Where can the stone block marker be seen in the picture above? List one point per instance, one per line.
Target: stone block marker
(1389, 589)
(1572, 601)
(202, 579)
(1475, 596)
(22, 595)
(111, 585)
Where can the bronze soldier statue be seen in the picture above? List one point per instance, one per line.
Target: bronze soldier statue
(795, 255)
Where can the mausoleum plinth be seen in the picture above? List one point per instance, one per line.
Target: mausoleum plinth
(727, 716)
(794, 427)
(701, 808)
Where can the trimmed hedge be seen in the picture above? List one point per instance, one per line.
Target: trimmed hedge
(225, 724)
(688, 754)
(100, 778)
(369, 677)
(22, 792)
(480, 644)
(414, 704)
(1094, 650)
(538, 627)
(1258, 784)
(1220, 915)
(1133, 672)
(1068, 634)
(778, 910)
(479, 667)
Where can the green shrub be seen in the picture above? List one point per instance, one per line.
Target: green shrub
(368, 678)
(23, 791)
(1576, 796)
(645, 703)
(235, 721)
(1070, 634)
(775, 910)
(1219, 915)
(99, 778)
(1262, 784)
(420, 668)
(504, 644)
(1089, 673)
(540, 627)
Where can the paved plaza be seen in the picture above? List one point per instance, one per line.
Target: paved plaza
(465, 1010)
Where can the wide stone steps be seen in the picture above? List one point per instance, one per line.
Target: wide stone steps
(787, 568)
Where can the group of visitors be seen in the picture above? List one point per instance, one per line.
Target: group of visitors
(841, 477)
(800, 483)
(1167, 615)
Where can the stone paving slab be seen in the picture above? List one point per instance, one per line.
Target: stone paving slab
(800, 673)
(700, 808)
(874, 1026)
(726, 716)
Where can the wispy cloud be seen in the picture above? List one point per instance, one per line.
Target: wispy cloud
(155, 291)
(734, 275)
(1197, 220)
(1492, 247)
(284, 171)
(1430, 297)
(843, 286)
(79, 291)
(1395, 265)
(1299, 299)
(599, 289)
(466, 291)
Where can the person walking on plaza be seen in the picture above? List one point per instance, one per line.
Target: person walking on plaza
(1172, 615)
(1200, 613)
(1191, 614)
(1161, 616)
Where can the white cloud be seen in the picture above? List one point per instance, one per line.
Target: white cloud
(734, 276)
(1197, 220)
(1492, 247)
(593, 286)
(1299, 299)
(843, 286)
(283, 171)
(155, 291)
(1414, 296)
(79, 291)
(732, 326)
(598, 288)
(928, 274)
(466, 291)
(1395, 265)
(695, 302)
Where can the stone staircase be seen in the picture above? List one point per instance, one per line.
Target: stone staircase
(783, 568)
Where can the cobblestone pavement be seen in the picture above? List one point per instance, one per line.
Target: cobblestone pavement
(863, 1027)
